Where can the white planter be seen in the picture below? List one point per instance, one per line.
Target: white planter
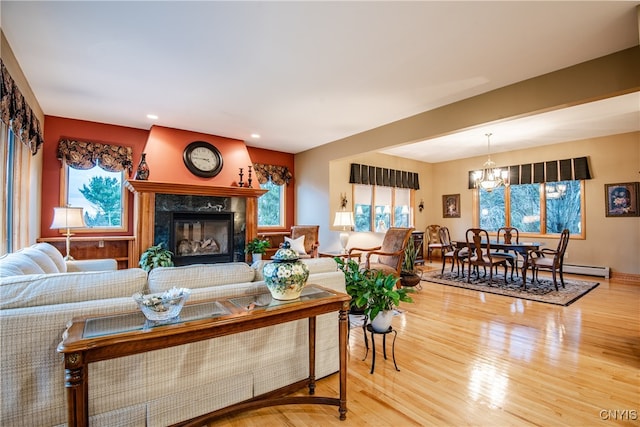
(382, 321)
(256, 257)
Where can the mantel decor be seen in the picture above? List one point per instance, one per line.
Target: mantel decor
(621, 199)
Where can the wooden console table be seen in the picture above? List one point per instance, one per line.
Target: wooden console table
(80, 346)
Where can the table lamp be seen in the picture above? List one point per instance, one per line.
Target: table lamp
(68, 218)
(344, 219)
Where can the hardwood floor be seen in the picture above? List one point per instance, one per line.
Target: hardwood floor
(471, 358)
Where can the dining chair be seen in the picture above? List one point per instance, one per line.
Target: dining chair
(451, 251)
(508, 235)
(433, 240)
(480, 254)
(390, 253)
(549, 259)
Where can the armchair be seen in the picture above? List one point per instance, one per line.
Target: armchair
(548, 259)
(308, 234)
(390, 254)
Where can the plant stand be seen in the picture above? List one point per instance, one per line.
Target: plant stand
(384, 346)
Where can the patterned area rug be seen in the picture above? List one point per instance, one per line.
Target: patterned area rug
(544, 291)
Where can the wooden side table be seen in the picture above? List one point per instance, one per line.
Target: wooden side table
(384, 346)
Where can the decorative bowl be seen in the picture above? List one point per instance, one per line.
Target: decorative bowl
(164, 305)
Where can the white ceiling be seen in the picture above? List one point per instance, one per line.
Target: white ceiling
(303, 74)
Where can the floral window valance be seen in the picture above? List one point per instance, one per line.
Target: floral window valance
(85, 155)
(279, 175)
(16, 112)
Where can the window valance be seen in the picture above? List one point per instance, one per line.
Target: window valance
(373, 175)
(17, 113)
(552, 171)
(85, 155)
(279, 175)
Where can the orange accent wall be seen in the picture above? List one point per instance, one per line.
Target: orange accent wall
(164, 147)
(59, 127)
(260, 155)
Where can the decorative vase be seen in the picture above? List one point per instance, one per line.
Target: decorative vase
(142, 173)
(256, 257)
(286, 275)
(382, 321)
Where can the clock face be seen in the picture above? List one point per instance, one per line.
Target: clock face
(202, 159)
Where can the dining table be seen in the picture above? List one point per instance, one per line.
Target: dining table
(522, 248)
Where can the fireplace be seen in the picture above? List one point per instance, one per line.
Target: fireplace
(201, 238)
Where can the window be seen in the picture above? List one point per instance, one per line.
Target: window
(271, 205)
(101, 193)
(391, 207)
(534, 208)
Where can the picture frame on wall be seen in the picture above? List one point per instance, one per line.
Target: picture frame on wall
(621, 199)
(451, 206)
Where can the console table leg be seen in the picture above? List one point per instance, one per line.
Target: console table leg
(312, 355)
(77, 390)
(343, 329)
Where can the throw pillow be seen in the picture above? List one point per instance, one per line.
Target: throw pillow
(296, 244)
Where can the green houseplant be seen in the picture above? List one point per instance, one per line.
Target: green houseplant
(409, 275)
(356, 283)
(382, 297)
(257, 247)
(156, 256)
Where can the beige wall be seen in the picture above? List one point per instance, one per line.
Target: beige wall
(321, 175)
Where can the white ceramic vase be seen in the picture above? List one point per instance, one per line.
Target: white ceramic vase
(256, 257)
(382, 321)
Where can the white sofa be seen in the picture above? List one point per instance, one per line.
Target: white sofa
(156, 388)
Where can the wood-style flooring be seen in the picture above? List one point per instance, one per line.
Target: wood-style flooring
(468, 358)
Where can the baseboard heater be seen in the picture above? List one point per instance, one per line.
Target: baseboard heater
(586, 270)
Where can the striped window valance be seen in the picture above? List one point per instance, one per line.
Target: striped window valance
(15, 112)
(551, 171)
(85, 155)
(373, 175)
(279, 175)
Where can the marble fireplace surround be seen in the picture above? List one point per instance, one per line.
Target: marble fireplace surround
(149, 195)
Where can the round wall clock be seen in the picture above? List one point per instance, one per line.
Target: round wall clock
(202, 159)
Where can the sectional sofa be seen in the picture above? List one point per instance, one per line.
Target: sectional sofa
(39, 295)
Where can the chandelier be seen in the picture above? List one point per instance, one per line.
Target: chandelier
(490, 177)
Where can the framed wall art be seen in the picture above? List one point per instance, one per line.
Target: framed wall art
(621, 199)
(451, 206)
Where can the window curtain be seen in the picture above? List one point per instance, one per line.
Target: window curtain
(279, 175)
(85, 155)
(19, 195)
(373, 175)
(15, 112)
(555, 170)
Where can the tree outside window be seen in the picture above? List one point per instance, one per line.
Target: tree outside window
(271, 205)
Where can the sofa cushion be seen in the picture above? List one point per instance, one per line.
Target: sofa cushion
(59, 288)
(199, 276)
(54, 254)
(18, 261)
(43, 260)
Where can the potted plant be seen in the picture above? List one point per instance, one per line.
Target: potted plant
(382, 297)
(409, 275)
(257, 247)
(156, 256)
(356, 283)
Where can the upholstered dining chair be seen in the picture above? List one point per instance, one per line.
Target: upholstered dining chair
(480, 254)
(304, 239)
(508, 235)
(390, 253)
(549, 259)
(433, 240)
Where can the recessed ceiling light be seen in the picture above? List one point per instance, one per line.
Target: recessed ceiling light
(255, 135)
(152, 117)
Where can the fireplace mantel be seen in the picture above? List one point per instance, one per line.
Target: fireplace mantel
(144, 203)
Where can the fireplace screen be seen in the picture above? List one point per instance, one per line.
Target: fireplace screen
(202, 238)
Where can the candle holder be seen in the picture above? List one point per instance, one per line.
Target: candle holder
(249, 177)
(240, 183)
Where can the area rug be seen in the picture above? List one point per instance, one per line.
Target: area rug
(544, 291)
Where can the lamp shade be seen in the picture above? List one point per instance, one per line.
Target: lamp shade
(343, 219)
(68, 218)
